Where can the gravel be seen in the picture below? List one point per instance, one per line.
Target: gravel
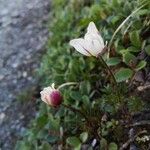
(23, 34)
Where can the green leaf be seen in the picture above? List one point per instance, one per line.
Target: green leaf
(103, 144)
(123, 74)
(147, 49)
(85, 87)
(142, 12)
(23, 145)
(42, 120)
(45, 146)
(128, 58)
(74, 142)
(52, 139)
(112, 146)
(135, 39)
(41, 134)
(75, 95)
(86, 101)
(84, 136)
(113, 61)
(141, 65)
(123, 51)
(133, 49)
(53, 123)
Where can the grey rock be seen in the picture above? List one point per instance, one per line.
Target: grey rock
(2, 117)
(22, 38)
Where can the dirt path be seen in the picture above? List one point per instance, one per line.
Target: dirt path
(23, 34)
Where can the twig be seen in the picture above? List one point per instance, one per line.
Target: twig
(142, 88)
(125, 145)
(141, 123)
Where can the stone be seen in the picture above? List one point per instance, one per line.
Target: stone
(24, 74)
(22, 37)
(2, 117)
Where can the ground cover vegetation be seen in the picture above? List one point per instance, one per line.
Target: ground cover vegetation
(97, 112)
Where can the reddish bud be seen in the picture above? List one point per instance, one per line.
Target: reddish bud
(51, 96)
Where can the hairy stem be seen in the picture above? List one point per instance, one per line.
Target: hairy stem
(107, 67)
(67, 84)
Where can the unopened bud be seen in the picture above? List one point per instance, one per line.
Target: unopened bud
(51, 96)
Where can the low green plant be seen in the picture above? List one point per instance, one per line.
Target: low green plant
(96, 112)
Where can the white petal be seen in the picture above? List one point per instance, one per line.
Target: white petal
(48, 90)
(91, 36)
(80, 46)
(93, 33)
(43, 97)
(96, 46)
(45, 93)
(92, 28)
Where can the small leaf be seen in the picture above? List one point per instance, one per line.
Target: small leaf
(128, 58)
(85, 87)
(133, 49)
(84, 136)
(23, 145)
(86, 101)
(135, 39)
(123, 51)
(51, 139)
(53, 123)
(142, 12)
(74, 142)
(41, 121)
(113, 61)
(75, 95)
(45, 146)
(123, 74)
(103, 144)
(141, 65)
(147, 49)
(112, 146)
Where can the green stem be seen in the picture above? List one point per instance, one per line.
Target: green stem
(75, 111)
(67, 84)
(107, 67)
(122, 24)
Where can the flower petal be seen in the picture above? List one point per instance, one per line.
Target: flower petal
(92, 28)
(96, 43)
(97, 48)
(45, 93)
(91, 36)
(80, 46)
(93, 33)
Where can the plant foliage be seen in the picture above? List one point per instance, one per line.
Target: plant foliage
(108, 108)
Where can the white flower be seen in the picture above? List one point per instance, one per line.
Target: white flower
(51, 96)
(92, 44)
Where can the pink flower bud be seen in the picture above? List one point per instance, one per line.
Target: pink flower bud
(51, 96)
(56, 98)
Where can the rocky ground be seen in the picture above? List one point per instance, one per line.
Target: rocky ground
(23, 33)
